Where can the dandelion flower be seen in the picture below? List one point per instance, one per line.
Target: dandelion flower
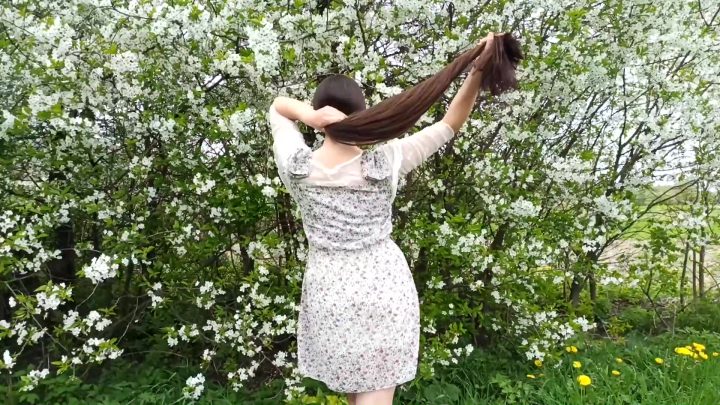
(538, 363)
(531, 376)
(584, 380)
(716, 354)
(658, 360)
(683, 351)
(577, 364)
(618, 360)
(699, 347)
(615, 373)
(703, 355)
(571, 349)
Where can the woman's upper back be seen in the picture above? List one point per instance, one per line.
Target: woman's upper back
(344, 208)
(348, 206)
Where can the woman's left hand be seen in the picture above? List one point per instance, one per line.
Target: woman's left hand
(487, 53)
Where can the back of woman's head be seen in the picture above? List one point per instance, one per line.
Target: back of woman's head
(341, 92)
(396, 115)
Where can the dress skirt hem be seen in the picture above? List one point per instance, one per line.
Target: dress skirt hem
(343, 390)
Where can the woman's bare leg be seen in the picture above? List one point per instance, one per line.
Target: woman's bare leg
(351, 398)
(379, 397)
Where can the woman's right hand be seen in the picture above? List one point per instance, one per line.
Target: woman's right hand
(323, 117)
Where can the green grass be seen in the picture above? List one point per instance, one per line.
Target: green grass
(489, 376)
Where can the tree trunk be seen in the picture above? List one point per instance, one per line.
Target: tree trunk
(694, 275)
(62, 270)
(701, 273)
(683, 276)
(575, 290)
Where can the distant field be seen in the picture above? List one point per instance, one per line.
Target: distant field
(612, 256)
(639, 230)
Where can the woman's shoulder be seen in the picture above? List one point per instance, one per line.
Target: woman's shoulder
(298, 163)
(375, 164)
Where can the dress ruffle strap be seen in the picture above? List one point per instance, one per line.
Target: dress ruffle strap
(375, 165)
(299, 163)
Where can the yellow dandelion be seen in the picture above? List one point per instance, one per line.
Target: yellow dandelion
(699, 347)
(531, 376)
(584, 380)
(695, 356)
(615, 373)
(703, 355)
(577, 364)
(571, 349)
(618, 360)
(684, 351)
(658, 360)
(716, 354)
(538, 363)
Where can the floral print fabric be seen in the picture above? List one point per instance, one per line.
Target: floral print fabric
(359, 322)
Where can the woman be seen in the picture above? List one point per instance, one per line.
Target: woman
(359, 322)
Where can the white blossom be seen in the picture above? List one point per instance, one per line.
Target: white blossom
(194, 387)
(8, 361)
(34, 377)
(101, 268)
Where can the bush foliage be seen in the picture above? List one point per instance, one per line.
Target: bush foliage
(141, 216)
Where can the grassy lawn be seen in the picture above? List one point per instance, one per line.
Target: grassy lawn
(488, 376)
(496, 379)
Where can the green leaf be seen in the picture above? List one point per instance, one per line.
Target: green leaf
(56, 109)
(195, 13)
(112, 49)
(289, 54)
(587, 155)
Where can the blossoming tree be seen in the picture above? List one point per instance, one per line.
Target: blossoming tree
(139, 193)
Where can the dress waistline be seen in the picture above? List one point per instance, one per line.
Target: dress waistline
(359, 248)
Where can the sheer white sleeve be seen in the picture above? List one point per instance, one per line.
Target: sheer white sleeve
(287, 137)
(409, 152)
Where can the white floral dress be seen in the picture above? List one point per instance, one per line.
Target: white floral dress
(359, 322)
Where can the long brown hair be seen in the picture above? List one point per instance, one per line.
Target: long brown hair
(396, 115)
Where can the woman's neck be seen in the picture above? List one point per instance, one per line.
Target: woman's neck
(341, 148)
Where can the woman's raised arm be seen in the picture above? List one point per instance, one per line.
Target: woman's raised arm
(297, 110)
(286, 135)
(462, 104)
(292, 109)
